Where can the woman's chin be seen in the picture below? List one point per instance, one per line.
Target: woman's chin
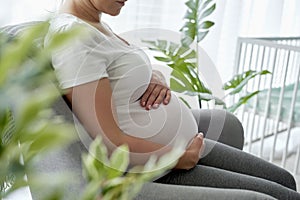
(114, 13)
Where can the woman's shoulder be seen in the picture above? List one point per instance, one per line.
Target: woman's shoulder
(64, 22)
(86, 34)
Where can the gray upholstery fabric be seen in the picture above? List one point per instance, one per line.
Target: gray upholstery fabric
(65, 161)
(14, 30)
(69, 160)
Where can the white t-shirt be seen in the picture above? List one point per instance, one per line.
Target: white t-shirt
(129, 71)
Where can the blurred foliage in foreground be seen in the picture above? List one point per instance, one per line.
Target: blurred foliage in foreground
(29, 128)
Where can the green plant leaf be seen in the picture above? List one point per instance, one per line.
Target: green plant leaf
(192, 4)
(237, 79)
(209, 97)
(172, 48)
(119, 161)
(7, 124)
(206, 25)
(194, 21)
(201, 35)
(176, 56)
(179, 76)
(16, 52)
(201, 88)
(206, 3)
(186, 41)
(132, 191)
(92, 191)
(162, 44)
(242, 100)
(163, 59)
(99, 151)
(185, 102)
(90, 171)
(177, 86)
(190, 55)
(208, 11)
(190, 14)
(50, 137)
(240, 80)
(192, 86)
(30, 107)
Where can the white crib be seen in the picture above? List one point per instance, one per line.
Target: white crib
(271, 119)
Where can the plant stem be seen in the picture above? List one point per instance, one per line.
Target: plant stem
(199, 101)
(197, 64)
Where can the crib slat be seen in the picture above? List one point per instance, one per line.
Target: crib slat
(243, 108)
(267, 104)
(290, 118)
(258, 68)
(296, 166)
(279, 108)
(241, 69)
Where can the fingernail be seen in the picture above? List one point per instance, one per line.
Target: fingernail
(143, 103)
(155, 106)
(149, 107)
(200, 134)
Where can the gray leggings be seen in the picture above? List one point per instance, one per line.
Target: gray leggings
(228, 167)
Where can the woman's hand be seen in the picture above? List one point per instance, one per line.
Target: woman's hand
(157, 92)
(192, 154)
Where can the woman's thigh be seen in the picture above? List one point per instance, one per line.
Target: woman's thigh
(225, 157)
(157, 191)
(221, 126)
(207, 176)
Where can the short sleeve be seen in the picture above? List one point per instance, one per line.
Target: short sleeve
(80, 61)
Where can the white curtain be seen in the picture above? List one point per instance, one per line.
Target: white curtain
(149, 14)
(17, 11)
(233, 18)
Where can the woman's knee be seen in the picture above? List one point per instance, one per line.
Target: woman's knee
(221, 126)
(233, 131)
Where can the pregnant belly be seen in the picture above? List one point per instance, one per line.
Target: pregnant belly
(165, 125)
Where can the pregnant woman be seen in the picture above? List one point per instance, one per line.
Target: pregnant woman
(114, 92)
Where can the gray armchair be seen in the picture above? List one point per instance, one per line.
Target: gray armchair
(68, 159)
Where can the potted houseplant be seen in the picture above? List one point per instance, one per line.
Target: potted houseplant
(183, 59)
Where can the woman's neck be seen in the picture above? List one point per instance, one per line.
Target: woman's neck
(84, 10)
